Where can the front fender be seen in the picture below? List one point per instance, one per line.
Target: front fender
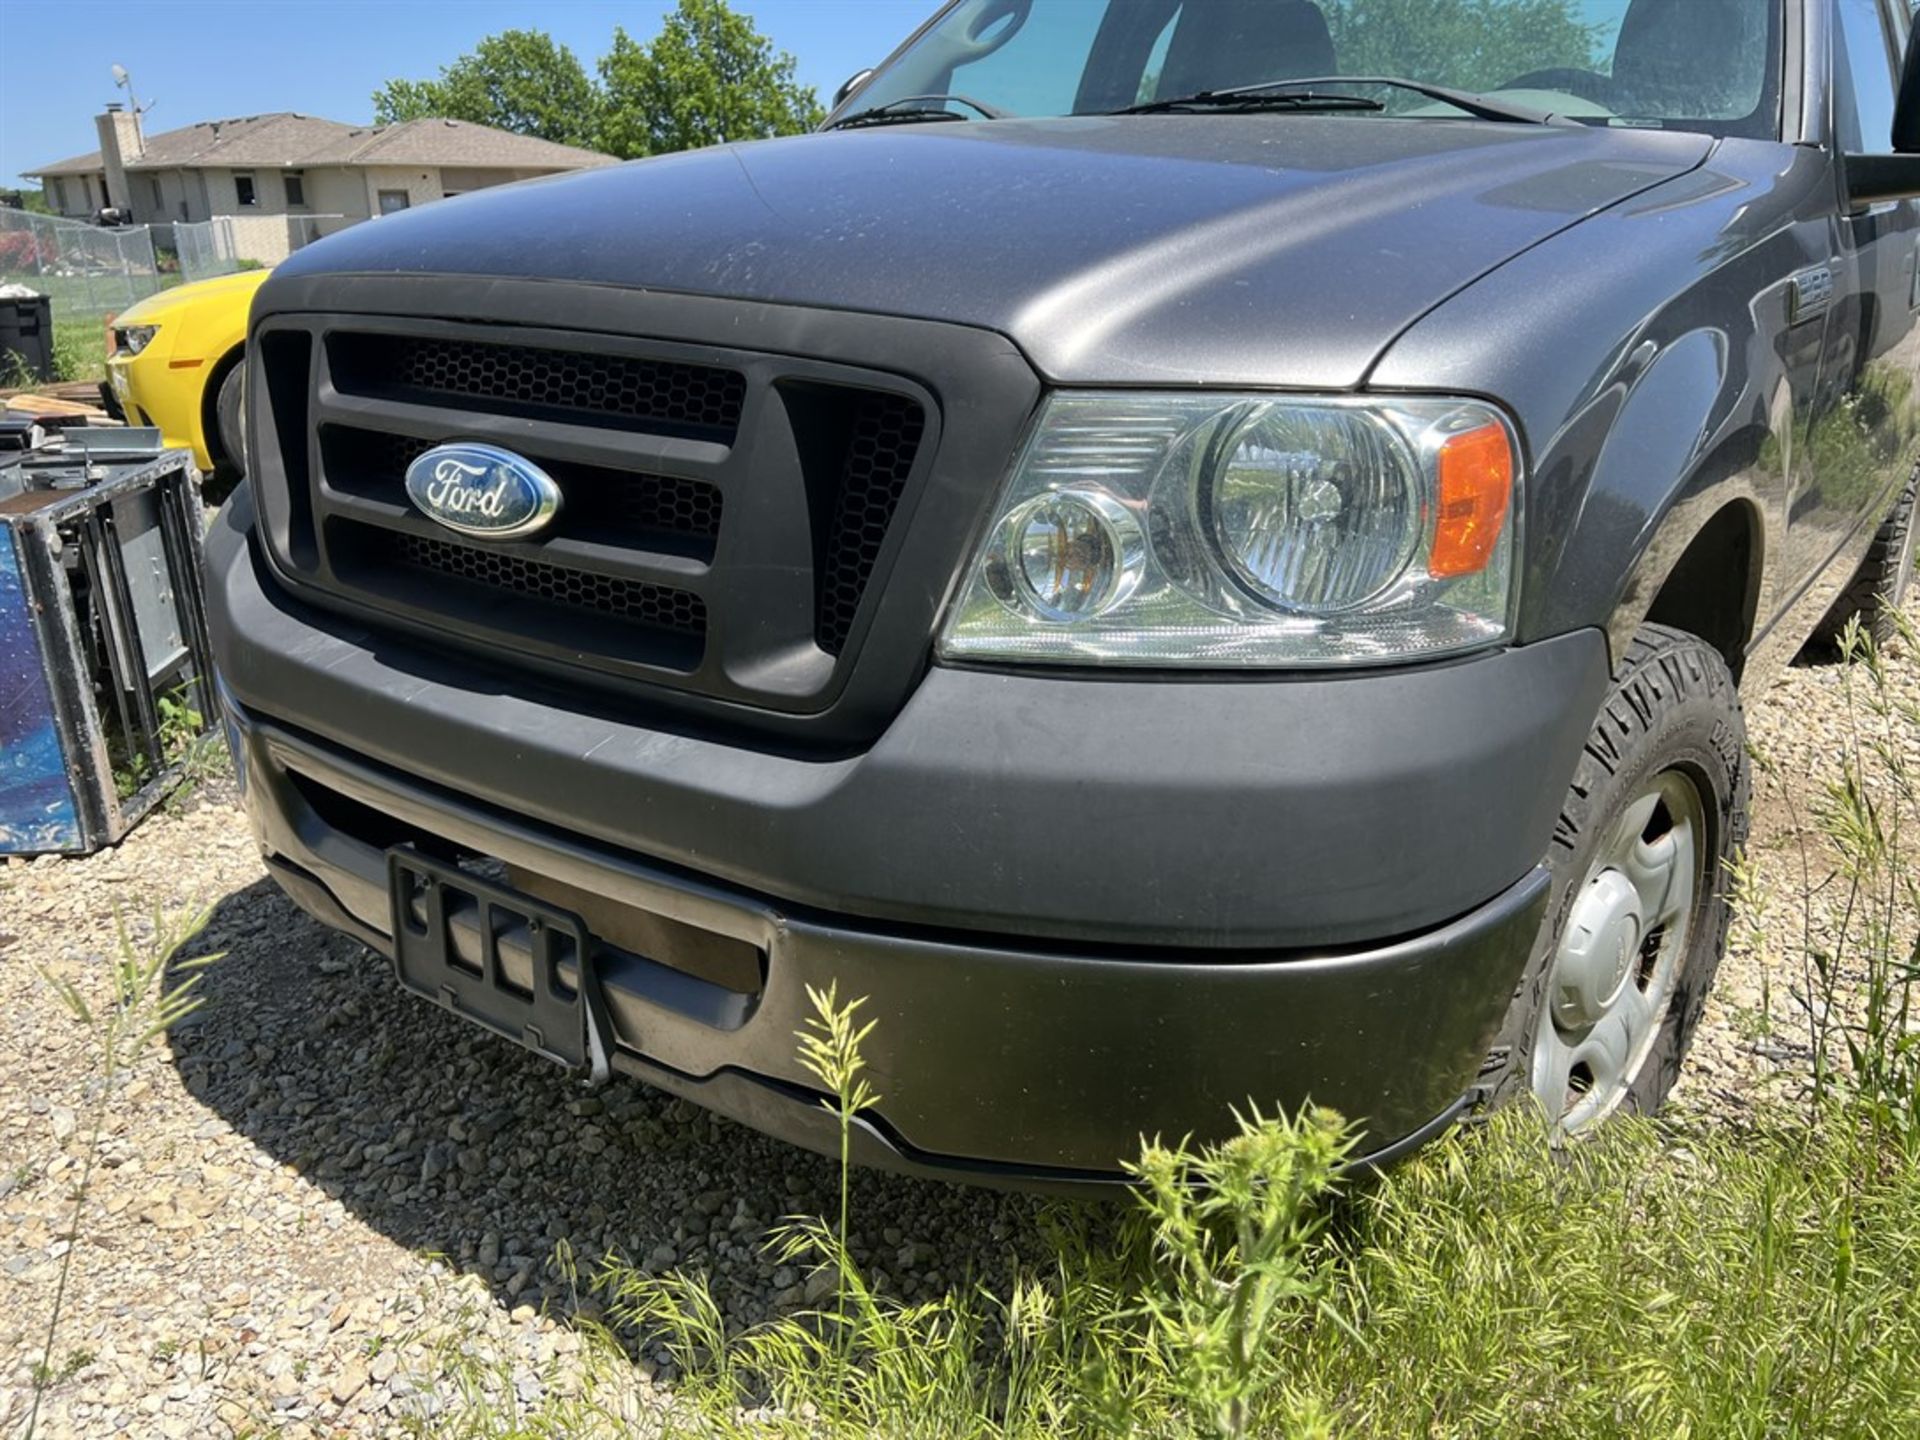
(1649, 358)
(210, 342)
(1690, 438)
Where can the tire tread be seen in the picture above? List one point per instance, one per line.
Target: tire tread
(1662, 670)
(1874, 592)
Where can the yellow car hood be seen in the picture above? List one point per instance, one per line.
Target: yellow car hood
(235, 290)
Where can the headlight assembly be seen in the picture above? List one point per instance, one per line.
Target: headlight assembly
(1236, 531)
(132, 339)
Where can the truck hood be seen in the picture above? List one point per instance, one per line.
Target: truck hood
(1257, 249)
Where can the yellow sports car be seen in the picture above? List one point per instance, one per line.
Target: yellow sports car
(174, 361)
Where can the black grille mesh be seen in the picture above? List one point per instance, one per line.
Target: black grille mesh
(500, 376)
(663, 502)
(886, 436)
(596, 498)
(657, 605)
(382, 455)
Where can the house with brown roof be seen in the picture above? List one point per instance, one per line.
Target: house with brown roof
(285, 164)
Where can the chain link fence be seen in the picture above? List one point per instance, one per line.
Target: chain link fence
(227, 243)
(88, 270)
(205, 250)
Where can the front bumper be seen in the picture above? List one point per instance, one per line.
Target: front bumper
(1080, 911)
(997, 1059)
(151, 391)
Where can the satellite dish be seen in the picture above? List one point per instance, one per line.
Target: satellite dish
(120, 76)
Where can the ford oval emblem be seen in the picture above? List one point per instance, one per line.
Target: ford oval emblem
(482, 490)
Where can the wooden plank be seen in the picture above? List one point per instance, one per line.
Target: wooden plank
(74, 392)
(45, 407)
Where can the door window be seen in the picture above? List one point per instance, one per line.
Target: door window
(1863, 78)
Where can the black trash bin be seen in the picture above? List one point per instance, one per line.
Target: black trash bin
(26, 329)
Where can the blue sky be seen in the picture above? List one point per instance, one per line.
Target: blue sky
(204, 59)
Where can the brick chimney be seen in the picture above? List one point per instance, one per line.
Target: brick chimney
(121, 143)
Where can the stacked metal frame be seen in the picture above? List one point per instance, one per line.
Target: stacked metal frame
(105, 675)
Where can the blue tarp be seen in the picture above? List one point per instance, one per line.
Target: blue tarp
(36, 798)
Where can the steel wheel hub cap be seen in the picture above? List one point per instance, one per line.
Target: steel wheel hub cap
(1617, 964)
(1596, 957)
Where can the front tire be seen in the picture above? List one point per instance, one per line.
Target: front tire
(1638, 911)
(231, 423)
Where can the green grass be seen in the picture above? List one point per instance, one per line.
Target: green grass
(79, 353)
(1661, 1280)
(79, 349)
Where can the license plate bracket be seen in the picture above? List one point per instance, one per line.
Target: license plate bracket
(504, 959)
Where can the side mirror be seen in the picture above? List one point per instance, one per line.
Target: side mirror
(853, 82)
(1872, 179)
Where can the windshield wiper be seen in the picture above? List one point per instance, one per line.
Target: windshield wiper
(912, 109)
(1237, 96)
(1252, 99)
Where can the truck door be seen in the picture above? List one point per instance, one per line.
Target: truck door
(1864, 426)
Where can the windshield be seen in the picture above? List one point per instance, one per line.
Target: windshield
(1709, 65)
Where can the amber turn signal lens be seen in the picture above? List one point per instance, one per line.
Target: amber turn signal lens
(1476, 486)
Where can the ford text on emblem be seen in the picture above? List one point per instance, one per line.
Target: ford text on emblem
(482, 490)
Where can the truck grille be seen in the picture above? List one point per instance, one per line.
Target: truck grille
(886, 437)
(554, 584)
(532, 380)
(724, 514)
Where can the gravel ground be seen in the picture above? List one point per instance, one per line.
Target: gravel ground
(314, 1176)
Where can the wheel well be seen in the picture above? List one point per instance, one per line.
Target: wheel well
(1711, 590)
(210, 404)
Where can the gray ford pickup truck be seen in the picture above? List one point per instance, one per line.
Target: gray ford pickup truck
(1190, 551)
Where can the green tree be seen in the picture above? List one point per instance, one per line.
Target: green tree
(1470, 44)
(707, 78)
(518, 80)
(400, 100)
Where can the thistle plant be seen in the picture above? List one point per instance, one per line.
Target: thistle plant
(1233, 1229)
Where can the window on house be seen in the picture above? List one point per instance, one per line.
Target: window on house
(243, 190)
(296, 182)
(56, 197)
(392, 201)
